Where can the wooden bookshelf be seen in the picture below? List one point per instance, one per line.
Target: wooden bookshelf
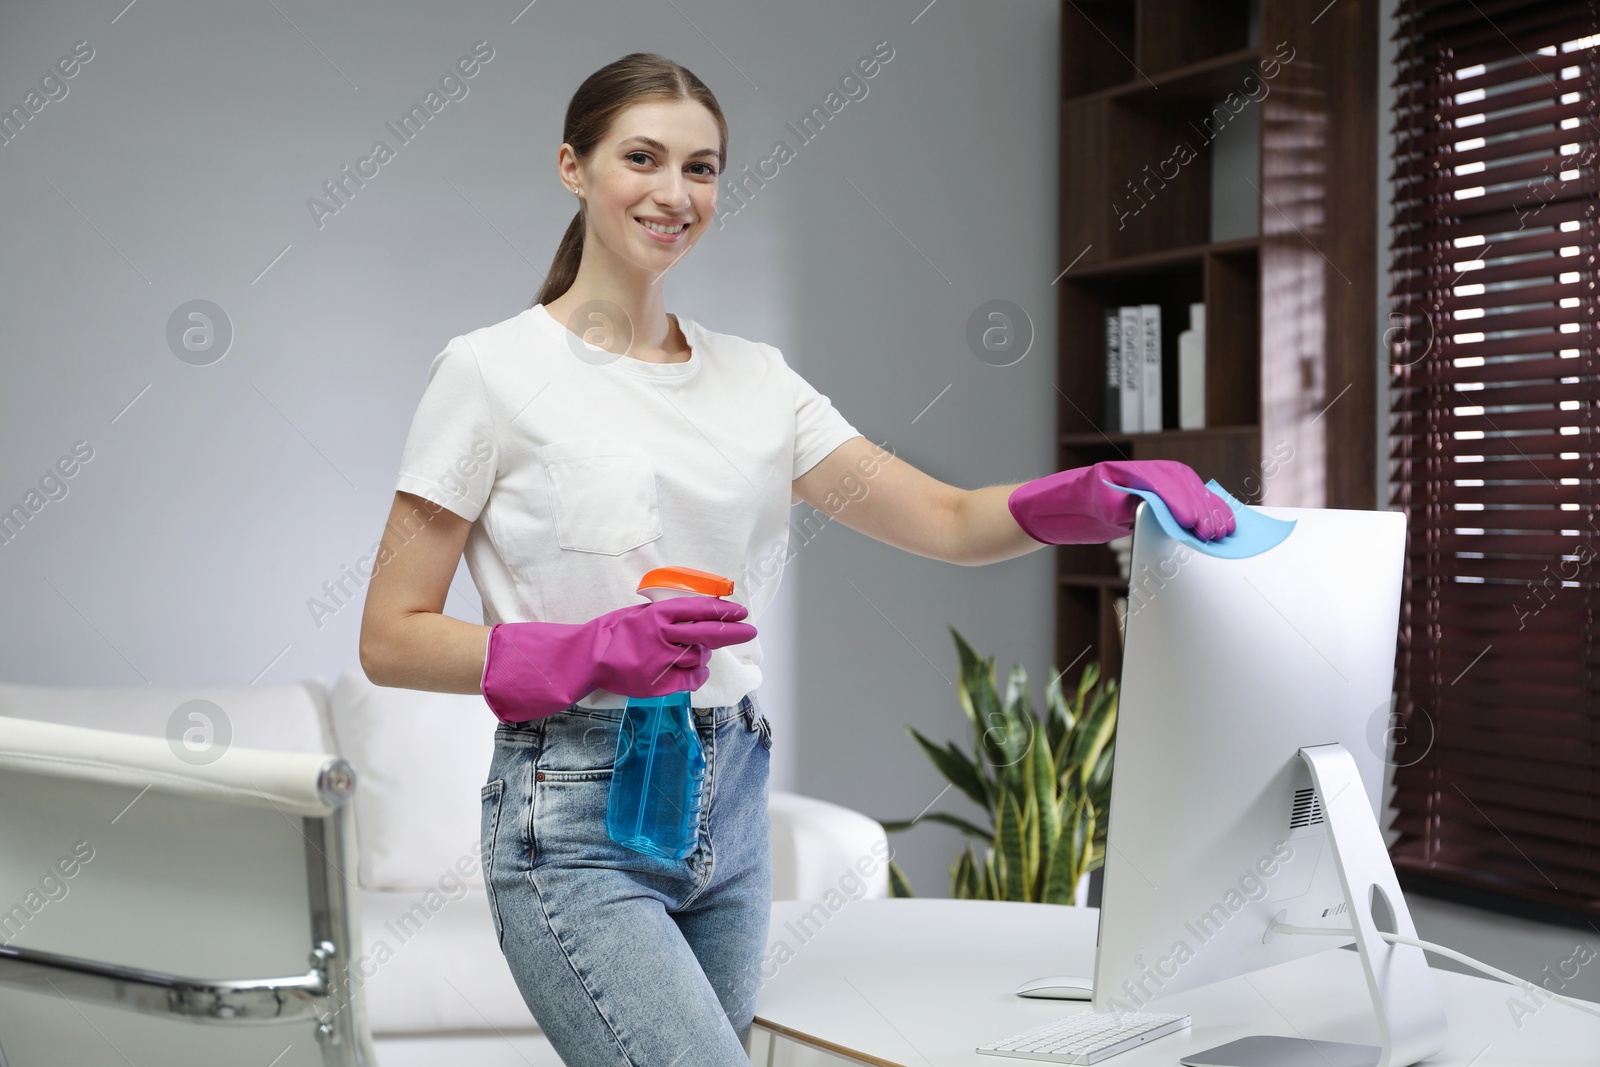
(1292, 351)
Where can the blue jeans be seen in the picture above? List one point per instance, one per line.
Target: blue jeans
(624, 958)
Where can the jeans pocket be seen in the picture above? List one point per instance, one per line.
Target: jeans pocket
(491, 795)
(568, 820)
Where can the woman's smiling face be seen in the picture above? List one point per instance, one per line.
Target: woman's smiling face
(650, 187)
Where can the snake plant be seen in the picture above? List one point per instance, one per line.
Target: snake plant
(1044, 785)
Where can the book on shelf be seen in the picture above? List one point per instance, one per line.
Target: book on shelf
(1132, 331)
(1113, 418)
(1133, 368)
(1150, 387)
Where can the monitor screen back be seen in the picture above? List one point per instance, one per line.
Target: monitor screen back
(1229, 668)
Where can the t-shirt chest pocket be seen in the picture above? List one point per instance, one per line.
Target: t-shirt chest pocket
(603, 494)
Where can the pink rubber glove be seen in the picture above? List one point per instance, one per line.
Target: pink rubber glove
(1076, 507)
(535, 669)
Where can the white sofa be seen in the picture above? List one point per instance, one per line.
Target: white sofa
(210, 811)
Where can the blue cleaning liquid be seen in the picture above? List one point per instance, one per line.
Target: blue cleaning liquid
(654, 804)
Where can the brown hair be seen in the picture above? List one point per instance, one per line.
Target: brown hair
(604, 95)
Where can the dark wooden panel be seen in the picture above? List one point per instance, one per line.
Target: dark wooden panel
(1354, 353)
(1108, 646)
(1078, 623)
(1159, 179)
(1233, 339)
(1174, 33)
(1085, 203)
(1080, 329)
(1096, 45)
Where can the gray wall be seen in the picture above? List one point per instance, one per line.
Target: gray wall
(220, 498)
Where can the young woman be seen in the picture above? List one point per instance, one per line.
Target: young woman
(566, 466)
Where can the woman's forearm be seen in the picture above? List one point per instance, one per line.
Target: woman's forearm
(429, 651)
(984, 530)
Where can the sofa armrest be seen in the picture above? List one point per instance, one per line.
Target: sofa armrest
(818, 847)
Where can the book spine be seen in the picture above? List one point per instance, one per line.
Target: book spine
(1132, 369)
(1113, 419)
(1150, 388)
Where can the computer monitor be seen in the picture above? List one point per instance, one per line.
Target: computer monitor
(1254, 709)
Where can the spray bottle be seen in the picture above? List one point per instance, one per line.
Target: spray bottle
(654, 804)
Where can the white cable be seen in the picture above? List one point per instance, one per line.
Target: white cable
(1429, 946)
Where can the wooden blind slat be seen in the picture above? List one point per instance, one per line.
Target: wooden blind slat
(1557, 836)
(1413, 426)
(1419, 248)
(1483, 41)
(1424, 94)
(1494, 794)
(1543, 545)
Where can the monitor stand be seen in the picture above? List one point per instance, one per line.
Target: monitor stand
(1411, 1021)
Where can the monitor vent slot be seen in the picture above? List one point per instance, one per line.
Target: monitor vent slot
(1307, 809)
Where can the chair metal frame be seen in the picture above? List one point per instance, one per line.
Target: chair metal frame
(322, 993)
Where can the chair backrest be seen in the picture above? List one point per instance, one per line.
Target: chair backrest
(141, 875)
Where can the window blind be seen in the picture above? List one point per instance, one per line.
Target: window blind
(1493, 447)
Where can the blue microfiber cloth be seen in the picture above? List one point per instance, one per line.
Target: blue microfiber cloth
(1253, 532)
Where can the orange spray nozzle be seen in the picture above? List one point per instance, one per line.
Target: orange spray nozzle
(681, 581)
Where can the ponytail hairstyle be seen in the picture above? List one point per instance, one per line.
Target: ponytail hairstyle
(605, 94)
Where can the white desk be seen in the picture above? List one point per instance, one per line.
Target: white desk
(922, 982)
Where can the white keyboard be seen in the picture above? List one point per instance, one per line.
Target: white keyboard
(1086, 1037)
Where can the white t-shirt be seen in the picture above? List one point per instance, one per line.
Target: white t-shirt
(579, 473)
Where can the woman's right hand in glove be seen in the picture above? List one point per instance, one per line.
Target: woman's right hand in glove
(535, 669)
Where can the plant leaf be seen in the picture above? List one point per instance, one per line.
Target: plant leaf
(1022, 726)
(1029, 876)
(981, 704)
(1018, 700)
(1072, 712)
(1042, 769)
(1059, 883)
(1086, 680)
(899, 884)
(1010, 835)
(955, 766)
(1081, 828)
(1056, 719)
(971, 829)
(1067, 864)
(1091, 735)
(971, 669)
(1098, 787)
(1045, 789)
(960, 874)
